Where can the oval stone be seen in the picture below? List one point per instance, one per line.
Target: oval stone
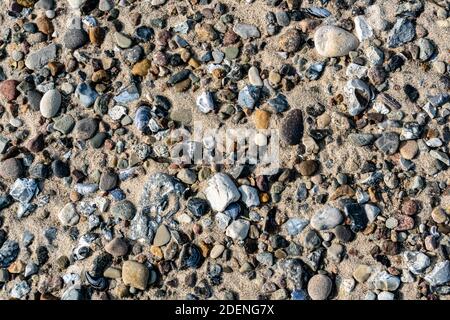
(331, 41)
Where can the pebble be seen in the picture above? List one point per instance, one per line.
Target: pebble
(124, 210)
(362, 273)
(8, 89)
(50, 103)
(246, 31)
(162, 236)
(386, 282)
(11, 168)
(249, 196)
(68, 215)
(86, 128)
(290, 41)
(319, 287)
(291, 130)
(221, 191)
(388, 143)
(331, 41)
(416, 261)
(217, 251)
(402, 32)
(254, 78)
(261, 119)
(75, 39)
(409, 149)
(205, 102)
(249, 96)
(238, 229)
(440, 274)
(38, 59)
(308, 168)
(327, 218)
(135, 274)
(118, 247)
(108, 180)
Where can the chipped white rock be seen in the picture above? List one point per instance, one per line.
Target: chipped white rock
(356, 71)
(416, 261)
(68, 215)
(372, 211)
(238, 229)
(221, 191)
(254, 78)
(362, 29)
(374, 55)
(117, 112)
(249, 196)
(385, 281)
(440, 274)
(205, 102)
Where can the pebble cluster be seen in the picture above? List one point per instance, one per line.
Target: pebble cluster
(91, 207)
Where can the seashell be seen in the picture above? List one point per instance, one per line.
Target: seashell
(317, 12)
(190, 257)
(86, 188)
(98, 283)
(142, 118)
(358, 95)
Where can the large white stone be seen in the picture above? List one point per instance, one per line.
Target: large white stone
(249, 196)
(331, 41)
(221, 191)
(326, 218)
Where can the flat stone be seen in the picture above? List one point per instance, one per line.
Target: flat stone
(249, 196)
(402, 32)
(440, 274)
(331, 41)
(246, 31)
(409, 149)
(108, 180)
(11, 168)
(388, 143)
(416, 261)
(162, 236)
(216, 251)
(326, 218)
(86, 128)
(135, 274)
(362, 272)
(123, 209)
(64, 124)
(290, 41)
(40, 58)
(385, 281)
(117, 247)
(75, 39)
(308, 168)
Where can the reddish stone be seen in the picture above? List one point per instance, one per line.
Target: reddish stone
(8, 89)
(404, 222)
(409, 207)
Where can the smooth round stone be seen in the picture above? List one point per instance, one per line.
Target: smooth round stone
(409, 149)
(11, 168)
(331, 41)
(64, 124)
(197, 206)
(86, 128)
(291, 130)
(410, 207)
(75, 38)
(438, 215)
(117, 247)
(327, 218)
(254, 78)
(108, 180)
(290, 41)
(68, 215)
(385, 281)
(162, 236)
(135, 274)
(123, 210)
(216, 251)
(45, 4)
(122, 40)
(385, 295)
(362, 272)
(319, 287)
(8, 89)
(50, 103)
(308, 167)
(261, 119)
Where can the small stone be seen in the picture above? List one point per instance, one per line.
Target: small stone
(40, 58)
(162, 236)
(64, 124)
(108, 180)
(117, 247)
(86, 128)
(343, 233)
(246, 31)
(440, 274)
(50, 103)
(426, 48)
(291, 130)
(60, 169)
(122, 40)
(205, 102)
(362, 29)
(362, 273)
(319, 287)
(402, 32)
(290, 41)
(45, 25)
(105, 5)
(385, 295)
(75, 39)
(123, 209)
(85, 94)
(308, 168)
(135, 274)
(438, 215)
(249, 96)
(216, 251)
(221, 191)
(326, 218)
(238, 229)
(409, 149)
(68, 215)
(254, 78)
(141, 68)
(385, 281)
(388, 143)
(249, 196)
(11, 168)
(8, 89)
(331, 41)
(416, 261)
(261, 119)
